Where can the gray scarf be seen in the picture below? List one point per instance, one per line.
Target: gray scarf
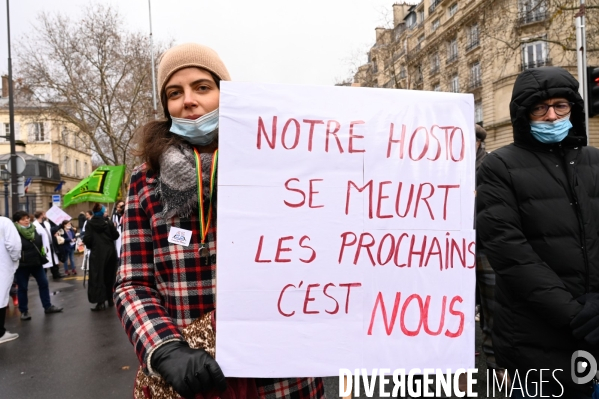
(177, 181)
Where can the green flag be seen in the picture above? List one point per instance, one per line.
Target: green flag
(101, 186)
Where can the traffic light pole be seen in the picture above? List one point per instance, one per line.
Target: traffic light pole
(11, 111)
(153, 63)
(581, 44)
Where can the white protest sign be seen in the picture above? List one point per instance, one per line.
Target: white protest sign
(345, 230)
(57, 215)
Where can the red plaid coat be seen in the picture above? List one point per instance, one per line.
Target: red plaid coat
(162, 287)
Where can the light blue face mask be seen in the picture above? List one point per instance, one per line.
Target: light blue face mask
(551, 132)
(201, 131)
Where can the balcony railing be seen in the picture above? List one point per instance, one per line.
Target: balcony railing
(475, 83)
(530, 17)
(451, 58)
(473, 44)
(536, 64)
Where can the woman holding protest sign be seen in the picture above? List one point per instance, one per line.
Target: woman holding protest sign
(165, 289)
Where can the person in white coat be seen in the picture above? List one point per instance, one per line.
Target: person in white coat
(43, 229)
(10, 252)
(117, 219)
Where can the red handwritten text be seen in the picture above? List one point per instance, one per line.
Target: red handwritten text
(424, 320)
(414, 200)
(413, 250)
(292, 130)
(315, 294)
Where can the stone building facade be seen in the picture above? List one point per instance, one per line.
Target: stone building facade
(51, 142)
(477, 47)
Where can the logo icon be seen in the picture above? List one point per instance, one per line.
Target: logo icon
(583, 367)
(179, 237)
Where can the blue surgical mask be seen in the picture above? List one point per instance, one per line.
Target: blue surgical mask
(551, 132)
(201, 131)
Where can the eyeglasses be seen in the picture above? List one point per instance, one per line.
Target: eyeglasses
(561, 109)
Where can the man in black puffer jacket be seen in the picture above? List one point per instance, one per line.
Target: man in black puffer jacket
(538, 223)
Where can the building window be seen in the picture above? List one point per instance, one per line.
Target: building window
(65, 166)
(402, 73)
(435, 63)
(37, 132)
(64, 135)
(436, 24)
(6, 132)
(478, 111)
(475, 75)
(437, 87)
(79, 143)
(77, 169)
(532, 11)
(473, 37)
(454, 83)
(85, 171)
(534, 55)
(420, 16)
(453, 9)
(418, 75)
(411, 21)
(421, 38)
(49, 171)
(452, 50)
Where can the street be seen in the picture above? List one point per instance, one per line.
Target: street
(73, 354)
(82, 354)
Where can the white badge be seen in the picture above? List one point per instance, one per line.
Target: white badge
(179, 236)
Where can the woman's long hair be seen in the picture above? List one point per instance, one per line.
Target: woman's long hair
(152, 140)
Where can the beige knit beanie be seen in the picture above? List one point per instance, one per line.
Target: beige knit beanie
(189, 55)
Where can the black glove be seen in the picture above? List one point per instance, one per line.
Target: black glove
(585, 325)
(188, 370)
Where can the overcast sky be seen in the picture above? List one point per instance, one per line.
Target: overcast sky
(277, 41)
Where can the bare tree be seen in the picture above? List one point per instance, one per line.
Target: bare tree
(92, 74)
(514, 28)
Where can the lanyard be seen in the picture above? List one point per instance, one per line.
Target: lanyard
(205, 220)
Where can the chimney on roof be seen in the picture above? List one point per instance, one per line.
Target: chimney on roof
(380, 31)
(400, 10)
(5, 86)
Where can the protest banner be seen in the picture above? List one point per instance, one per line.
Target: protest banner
(102, 185)
(57, 215)
(345, 230)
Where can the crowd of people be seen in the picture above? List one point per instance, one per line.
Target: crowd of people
(30, 245)
(537, 221)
